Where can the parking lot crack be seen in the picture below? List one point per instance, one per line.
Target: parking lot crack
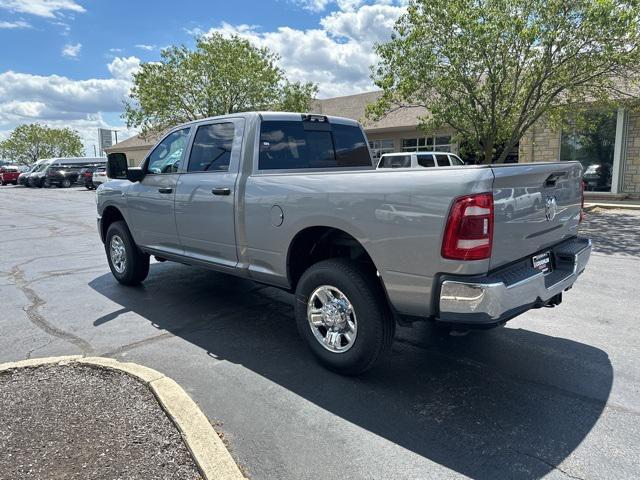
(36, 318)
(546, 462)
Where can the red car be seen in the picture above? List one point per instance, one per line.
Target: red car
(9, 174)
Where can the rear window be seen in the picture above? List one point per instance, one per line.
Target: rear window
(443, 160)
(298, 145)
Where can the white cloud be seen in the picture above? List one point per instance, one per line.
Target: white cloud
(59, 101)
(148, 48)
(313, 5)
(338, 55)
(123, 68)
(14, 25)
(42, 8)
(71, 50)
(115, 50)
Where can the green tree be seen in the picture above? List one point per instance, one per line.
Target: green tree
(490, 69)
(30, 142)
(222, 75)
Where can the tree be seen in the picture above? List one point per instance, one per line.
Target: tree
(31, 142)
(490, 69)
(222, 75)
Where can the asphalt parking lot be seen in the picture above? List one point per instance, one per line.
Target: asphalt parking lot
(554, 394)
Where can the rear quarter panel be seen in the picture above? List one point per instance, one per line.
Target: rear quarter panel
(398, 216)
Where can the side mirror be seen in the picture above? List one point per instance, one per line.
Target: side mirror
(135, 174)
(117, 165)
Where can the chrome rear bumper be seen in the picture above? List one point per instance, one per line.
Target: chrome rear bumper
(508, 292)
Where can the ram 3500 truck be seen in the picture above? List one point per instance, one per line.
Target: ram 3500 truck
(294, 201)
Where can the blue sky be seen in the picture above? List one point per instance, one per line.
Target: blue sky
(69, 62)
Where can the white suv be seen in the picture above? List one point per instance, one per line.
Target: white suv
(419, 160)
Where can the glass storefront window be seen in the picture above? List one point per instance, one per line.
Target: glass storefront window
(427, 144)
(593, 147)
(378, 147)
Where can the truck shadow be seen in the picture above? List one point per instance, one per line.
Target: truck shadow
(509, 403)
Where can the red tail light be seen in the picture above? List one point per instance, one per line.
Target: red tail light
(582, 185)
(469, 231)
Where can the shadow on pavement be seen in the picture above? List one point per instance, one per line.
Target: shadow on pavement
(613, 233)
(509, 403)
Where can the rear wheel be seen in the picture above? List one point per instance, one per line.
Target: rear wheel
(342, 315)
(46, 183)
(66, 183)
(128, 264)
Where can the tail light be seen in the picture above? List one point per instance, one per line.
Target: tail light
(469, 231)
(582, 186)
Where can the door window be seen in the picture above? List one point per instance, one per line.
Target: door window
(443, 160)
(211, 150)
(426, 160)
(166, 157)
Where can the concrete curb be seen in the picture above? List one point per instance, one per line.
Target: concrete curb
(611, 206)
(208, 451)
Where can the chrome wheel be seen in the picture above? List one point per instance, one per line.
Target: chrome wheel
(332, 319)
(118, 254)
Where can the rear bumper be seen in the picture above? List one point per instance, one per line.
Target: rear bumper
(507, 292)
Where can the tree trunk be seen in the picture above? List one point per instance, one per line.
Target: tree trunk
(488, 152)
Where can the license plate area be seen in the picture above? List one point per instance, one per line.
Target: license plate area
(542, 262)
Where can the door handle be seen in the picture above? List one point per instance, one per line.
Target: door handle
(221, 191)
(165, 190)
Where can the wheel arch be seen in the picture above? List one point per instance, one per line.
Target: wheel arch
(110, 214)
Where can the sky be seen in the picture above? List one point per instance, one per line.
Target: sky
(68, 63)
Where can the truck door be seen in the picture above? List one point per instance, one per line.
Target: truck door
(151, 201)
(205, 194)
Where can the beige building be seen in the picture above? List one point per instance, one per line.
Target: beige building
(610, 153)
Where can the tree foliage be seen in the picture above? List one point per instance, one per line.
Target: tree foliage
(31, 142)
(490, 69)
(222, 75)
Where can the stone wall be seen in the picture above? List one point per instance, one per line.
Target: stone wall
(631, 169)
(540, 144)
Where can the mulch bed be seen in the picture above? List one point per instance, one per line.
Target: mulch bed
(79, 422)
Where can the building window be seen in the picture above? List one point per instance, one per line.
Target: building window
(439, 143)
(378, 147)
(594, 148)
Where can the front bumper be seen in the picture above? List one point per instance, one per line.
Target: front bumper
(509, 291)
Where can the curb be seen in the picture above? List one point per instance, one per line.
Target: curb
(611, 206)
(207, 449)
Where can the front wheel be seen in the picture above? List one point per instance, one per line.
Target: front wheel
(46, 183)
(342, 314)
(128, 264)
(66, 183)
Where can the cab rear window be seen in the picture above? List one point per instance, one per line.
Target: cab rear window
(288, 145)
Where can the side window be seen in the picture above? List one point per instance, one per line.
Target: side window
(455, 160)
(426, 160)
(294, 145)
(211, 151)
(443, 160)
(165, 158)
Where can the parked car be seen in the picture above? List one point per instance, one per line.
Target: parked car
(85, 177)
(597, 177)
(9, 174)
(61, 171)
(61, 176)
(294, 201)
(23, 178)
(37, 175)
(419, 160)
(99, 177)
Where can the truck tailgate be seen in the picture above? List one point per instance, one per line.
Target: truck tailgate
(536, 205)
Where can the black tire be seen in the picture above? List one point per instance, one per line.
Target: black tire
(66, 183)
(136, 266)
(46, 183)
(3, 183)
(14, 183)
(375, 323)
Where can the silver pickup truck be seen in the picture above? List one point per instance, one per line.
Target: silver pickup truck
(294, 201)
